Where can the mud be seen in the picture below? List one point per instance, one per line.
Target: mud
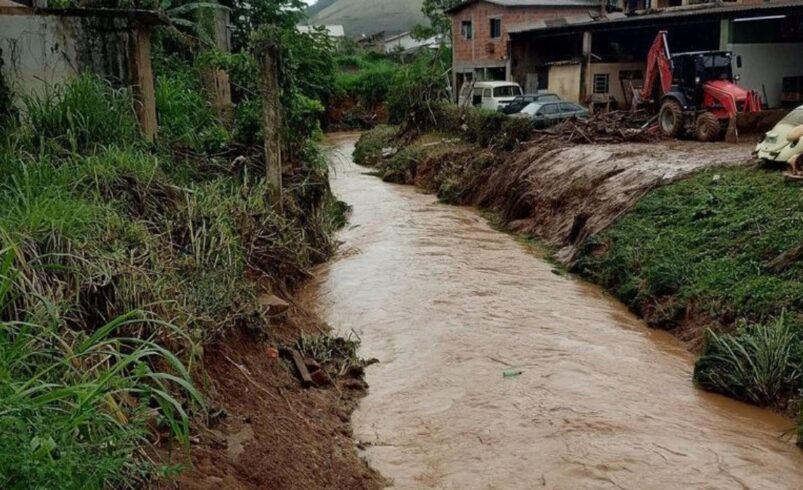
(567, 194)
(447, 304)
(264, 429)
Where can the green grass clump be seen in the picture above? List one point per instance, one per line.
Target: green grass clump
(758, 364)
(706, 243)
(368, 150)
(185, 116)
(76, 406)
(80, 116)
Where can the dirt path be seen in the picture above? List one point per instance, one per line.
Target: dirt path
(446, 304)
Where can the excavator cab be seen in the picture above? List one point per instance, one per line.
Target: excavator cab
(691, 71)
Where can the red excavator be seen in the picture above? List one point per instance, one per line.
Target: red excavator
(695, 93)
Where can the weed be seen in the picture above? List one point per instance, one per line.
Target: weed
(706, 242)
(758, 364)
(80, 116)
(76, 406)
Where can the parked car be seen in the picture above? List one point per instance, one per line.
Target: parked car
(783, 142)
(488, 95)
(546, 114)
(523, 101)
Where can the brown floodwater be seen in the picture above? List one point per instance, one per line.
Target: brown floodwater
(446, 304)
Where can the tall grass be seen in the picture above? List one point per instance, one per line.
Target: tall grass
(97, 227)
(76, 407)
(759, 364)
(80, 115)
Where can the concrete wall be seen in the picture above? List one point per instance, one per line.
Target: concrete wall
(564, 80)
(41, 50)
(614, 82)
(767, 64)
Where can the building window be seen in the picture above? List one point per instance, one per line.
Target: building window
(601, 83)
(496, 28)
(466, 30)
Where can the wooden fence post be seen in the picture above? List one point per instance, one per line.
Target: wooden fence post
(216, 82)
(271, 119)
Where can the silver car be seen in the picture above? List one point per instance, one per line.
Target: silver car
(546, 114)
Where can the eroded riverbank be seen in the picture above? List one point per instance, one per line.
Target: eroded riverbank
(444, 302)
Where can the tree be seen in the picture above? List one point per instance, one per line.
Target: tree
(439, 22)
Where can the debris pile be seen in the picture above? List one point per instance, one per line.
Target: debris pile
(608, 127)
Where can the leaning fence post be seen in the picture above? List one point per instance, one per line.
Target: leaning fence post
(271, 118)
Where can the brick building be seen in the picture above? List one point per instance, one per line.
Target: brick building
(480, 32)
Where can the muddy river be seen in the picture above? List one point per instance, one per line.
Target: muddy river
(447, 304)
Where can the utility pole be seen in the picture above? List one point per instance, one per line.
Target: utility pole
(271, 118)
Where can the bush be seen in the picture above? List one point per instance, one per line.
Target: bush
(416, 90)
(483, 127)
(368, 150)
(370, 85)
(184, 115)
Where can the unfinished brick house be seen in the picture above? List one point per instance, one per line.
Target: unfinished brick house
(480, 32)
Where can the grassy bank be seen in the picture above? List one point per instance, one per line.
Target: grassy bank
(122, 261)
(714, 258)
(712, 252)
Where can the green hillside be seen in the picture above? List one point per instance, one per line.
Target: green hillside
(360, 17)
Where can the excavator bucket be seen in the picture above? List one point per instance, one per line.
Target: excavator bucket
(747, 126)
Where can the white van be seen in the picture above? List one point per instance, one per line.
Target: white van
(488, 95)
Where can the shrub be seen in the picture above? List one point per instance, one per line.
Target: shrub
(370, 85)
(416, 90)
(184, 114)
(368, 150)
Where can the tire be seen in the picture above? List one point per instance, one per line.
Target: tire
(670, 118)
(707, 127)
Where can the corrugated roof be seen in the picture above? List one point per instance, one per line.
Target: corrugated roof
(666, 14)
(527, 3)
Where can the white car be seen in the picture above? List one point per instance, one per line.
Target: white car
(784, 142)
(488, 95)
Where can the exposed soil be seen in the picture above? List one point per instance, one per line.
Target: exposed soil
(265, 429)
(567, 194)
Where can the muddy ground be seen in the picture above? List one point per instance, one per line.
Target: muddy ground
(264, 429)
(567, 194)
(560, 193)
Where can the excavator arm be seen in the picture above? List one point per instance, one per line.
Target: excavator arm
(659, 68)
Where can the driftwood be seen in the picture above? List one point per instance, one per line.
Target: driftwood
(786, 259)
(609, 127)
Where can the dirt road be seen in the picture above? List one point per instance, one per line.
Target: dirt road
(447, 304)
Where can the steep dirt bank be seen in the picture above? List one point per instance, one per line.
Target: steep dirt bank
(267, 431)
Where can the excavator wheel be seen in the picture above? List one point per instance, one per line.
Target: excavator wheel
(707, 127)
(670, 118)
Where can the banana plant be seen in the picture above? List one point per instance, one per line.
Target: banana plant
(178, 17)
